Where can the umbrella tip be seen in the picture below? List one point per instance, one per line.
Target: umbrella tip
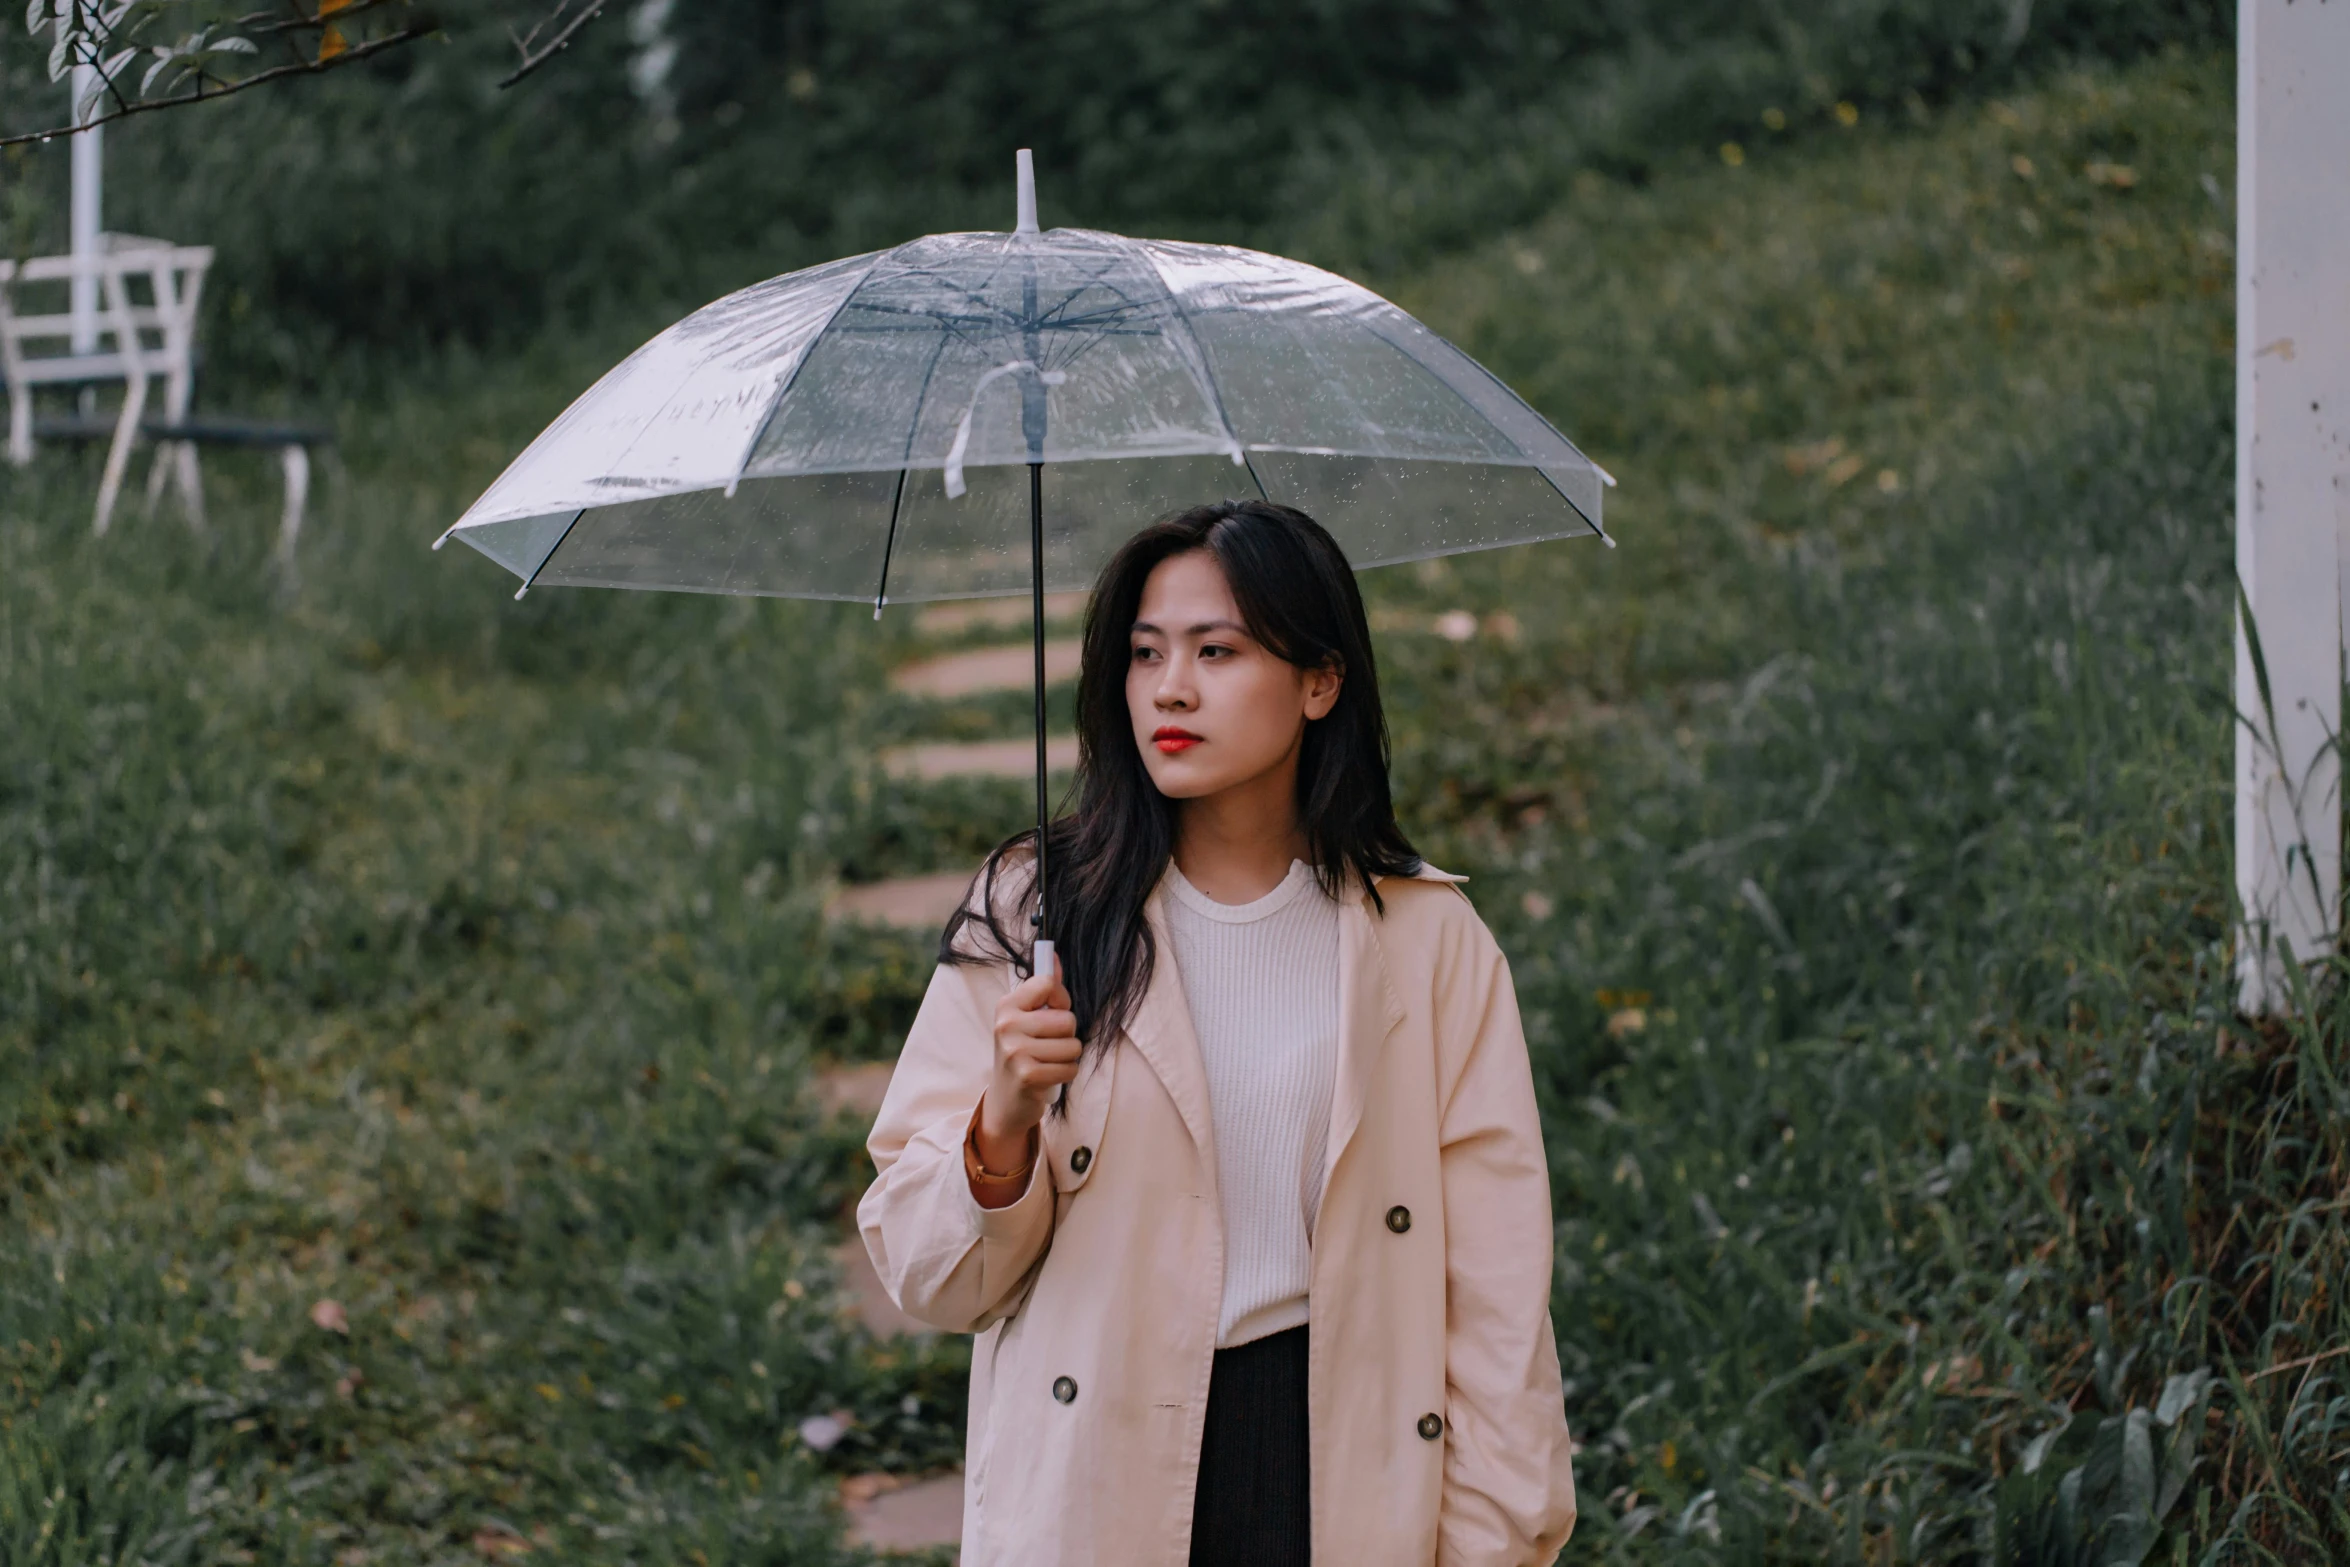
(1024, 168)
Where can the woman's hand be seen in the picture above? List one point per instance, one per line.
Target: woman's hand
(1036, 1051)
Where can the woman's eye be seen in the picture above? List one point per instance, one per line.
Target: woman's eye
(1143, 655)
(1215, 650)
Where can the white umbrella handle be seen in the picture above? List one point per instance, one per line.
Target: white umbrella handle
(1044, 962)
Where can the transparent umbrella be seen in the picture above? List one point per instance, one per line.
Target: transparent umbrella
(970, 415)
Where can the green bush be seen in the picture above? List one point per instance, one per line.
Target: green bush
(410, 201)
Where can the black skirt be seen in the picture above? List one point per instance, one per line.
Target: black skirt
(1251, 1507)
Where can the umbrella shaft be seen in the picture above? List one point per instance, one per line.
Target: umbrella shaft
(1036, 623)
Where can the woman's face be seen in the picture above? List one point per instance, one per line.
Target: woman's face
(1211, 707)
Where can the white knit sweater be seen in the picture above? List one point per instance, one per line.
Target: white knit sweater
(1262, 981)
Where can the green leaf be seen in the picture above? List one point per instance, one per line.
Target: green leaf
(2179, 1394)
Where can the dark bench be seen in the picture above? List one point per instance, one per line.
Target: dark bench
(176, 441)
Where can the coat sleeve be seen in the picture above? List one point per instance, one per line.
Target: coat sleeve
(944, 1259)
(1509, 1485)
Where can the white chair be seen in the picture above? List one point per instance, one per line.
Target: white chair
(138, 340)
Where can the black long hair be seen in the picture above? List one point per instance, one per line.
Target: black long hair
(1298, 598)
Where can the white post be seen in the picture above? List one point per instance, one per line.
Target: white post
(2292, 477)
(1024, 192)
(88, 168)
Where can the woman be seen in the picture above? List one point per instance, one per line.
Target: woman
(1247, 1201)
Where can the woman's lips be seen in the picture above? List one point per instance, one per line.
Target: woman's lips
(1171, 740)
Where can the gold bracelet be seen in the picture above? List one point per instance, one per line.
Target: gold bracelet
(976, 1169)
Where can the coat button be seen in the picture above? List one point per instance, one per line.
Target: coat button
(1080, 1161)
(1431, 1426)
(1399, 1218)
(1065, 1391)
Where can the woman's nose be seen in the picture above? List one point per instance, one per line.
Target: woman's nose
(1175, 693)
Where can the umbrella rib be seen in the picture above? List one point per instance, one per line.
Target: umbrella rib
(698, 338)
(532, 580)
(905, 461)
(995, 318)
(897, 499)
(978, 301)
(806, 352)
(881, 589)
(984, 310)
(1334, 385)
(992, 318)
(1504, 388)
(1592, 522)
(1207, 377)
(1106, 317)
(1499, 385)
(1109, 260)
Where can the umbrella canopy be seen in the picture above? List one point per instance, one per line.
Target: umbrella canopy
(859, 430)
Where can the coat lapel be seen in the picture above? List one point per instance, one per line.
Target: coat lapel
(1161, 1030)
(1368, 1011)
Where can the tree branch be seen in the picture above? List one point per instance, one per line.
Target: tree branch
(535, 54)
(260, 26)
(201, 94)
(92, 43)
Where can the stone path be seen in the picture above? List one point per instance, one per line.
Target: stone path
(1007, 614)
(924, 901)
(976, 671)
(933, 760)
(887, 1513)
(856, 1088)
(892, 1512)
(875, 1309)
(907, 902)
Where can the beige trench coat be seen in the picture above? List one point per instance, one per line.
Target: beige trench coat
(1438, 1426)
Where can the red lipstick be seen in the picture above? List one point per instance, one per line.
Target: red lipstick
(1170, 739)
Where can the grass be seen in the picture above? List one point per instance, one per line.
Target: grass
(1858, 831)
(1870, 872)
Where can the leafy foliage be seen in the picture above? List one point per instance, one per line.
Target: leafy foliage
(134, 56)
(654, 167)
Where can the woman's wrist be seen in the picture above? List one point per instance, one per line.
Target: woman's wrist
(997, 1174)
(998, 1146)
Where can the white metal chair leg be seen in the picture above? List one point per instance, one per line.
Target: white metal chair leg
(191, 482)
(118, 455)
(295, 458)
